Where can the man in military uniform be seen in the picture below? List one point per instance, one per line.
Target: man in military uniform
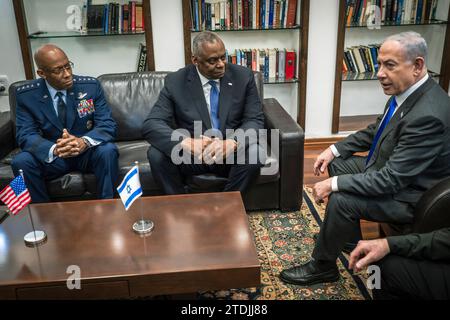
(63, 124)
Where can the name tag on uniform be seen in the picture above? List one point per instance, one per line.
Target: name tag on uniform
(85, 107)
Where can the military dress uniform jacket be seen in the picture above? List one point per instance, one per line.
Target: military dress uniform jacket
(38, 126)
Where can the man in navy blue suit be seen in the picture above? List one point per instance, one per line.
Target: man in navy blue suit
(63, 124)
(208, 96)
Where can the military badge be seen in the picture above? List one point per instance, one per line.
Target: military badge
(85, 107)
(81, 95)
(89, 124)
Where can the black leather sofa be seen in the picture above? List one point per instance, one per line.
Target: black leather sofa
(131, 97)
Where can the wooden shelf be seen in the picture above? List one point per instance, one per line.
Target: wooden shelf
(296, 27)
(72, 34)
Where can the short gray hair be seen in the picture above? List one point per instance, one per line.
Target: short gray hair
(201, 38)
(414, 44)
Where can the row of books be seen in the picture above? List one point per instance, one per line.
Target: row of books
(113, 17)
(242, 14)
(361, 59)
(272, 63)
(393, 12)
(355, 76)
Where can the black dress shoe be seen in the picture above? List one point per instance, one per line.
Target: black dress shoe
(309, 273)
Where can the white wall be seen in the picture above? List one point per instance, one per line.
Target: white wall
(168, 41)
(322, 39)
(10, 55)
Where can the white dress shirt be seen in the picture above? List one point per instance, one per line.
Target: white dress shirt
(207, 88)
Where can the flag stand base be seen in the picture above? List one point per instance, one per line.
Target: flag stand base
(143, 226)
(35, 238)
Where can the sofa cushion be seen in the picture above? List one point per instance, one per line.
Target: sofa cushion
(70, 185)
(131, 96)
(6, 175)
(10, 156)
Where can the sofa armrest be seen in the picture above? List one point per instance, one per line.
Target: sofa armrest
(6, 134)
(431, 212)
(291, 143)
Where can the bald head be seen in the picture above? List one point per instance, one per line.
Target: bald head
(46, 54)
(54, 66)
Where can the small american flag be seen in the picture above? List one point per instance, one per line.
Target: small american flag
(16, 195)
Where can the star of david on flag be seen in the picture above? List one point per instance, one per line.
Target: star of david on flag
(130, 188)
(16, 195)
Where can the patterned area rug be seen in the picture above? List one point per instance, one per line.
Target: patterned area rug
(285, 239)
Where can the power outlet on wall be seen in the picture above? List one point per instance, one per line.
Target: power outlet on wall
(4, 85)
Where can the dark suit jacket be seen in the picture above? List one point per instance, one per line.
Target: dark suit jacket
(38, 126)
(413, 152)
(182, 101)
(427, 246)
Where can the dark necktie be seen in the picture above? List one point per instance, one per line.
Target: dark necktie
(214, 104)
(62, 109)
(383, 125)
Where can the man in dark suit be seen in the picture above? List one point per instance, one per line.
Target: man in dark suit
(409, 152)
(203, 104)
(63, 124)
(413, 266)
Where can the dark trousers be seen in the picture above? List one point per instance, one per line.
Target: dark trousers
(171, 177)
(403, 278)
(100, 160)
(345, 210)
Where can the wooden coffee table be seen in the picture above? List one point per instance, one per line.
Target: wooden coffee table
(200, 242)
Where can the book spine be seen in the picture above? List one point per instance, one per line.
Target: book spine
(292, 10)
(245, 14)
(266, 65)
(290, 65)
(272, 63)
(271, 13)
(373, 55)
(142, 58)
(282, 64)
(419, 11)
(133, 16)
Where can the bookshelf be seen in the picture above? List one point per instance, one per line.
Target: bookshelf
(290, 93)
(92, 52)
(350, 87)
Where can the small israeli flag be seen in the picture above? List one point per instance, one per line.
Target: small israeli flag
(130, 188)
